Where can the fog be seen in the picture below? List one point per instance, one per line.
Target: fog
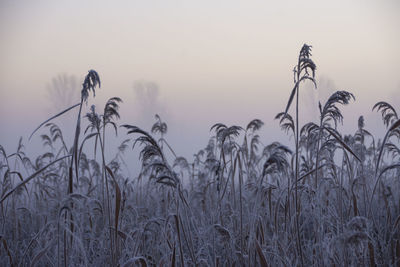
(193, 63)
(246, 196)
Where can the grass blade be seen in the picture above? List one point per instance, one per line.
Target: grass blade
(83, 142)
(345, 146)
(55, 116)
(20, 177)
(290, 100)
(117, 201)
(7, 250)
(263, 260)
(30, 178)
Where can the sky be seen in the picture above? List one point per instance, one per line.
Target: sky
(195, 63)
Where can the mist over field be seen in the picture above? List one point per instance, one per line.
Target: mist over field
(201, 133)
(229, 62)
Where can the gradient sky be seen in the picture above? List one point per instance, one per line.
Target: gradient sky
(213, 61)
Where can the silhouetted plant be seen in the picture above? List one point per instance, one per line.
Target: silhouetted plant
(301, 72)
(240, 201)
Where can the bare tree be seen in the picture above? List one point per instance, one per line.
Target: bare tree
(62, 91)
(148, 102)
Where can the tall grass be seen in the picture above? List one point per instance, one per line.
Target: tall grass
(332, 200)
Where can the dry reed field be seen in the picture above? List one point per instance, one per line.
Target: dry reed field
(327, 200)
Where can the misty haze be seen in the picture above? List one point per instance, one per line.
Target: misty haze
(200, 133)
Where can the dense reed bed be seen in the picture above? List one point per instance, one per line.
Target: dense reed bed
(330, 200)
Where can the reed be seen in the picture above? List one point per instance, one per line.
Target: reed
(330, 199)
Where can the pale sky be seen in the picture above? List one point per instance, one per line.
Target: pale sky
(213, 61)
